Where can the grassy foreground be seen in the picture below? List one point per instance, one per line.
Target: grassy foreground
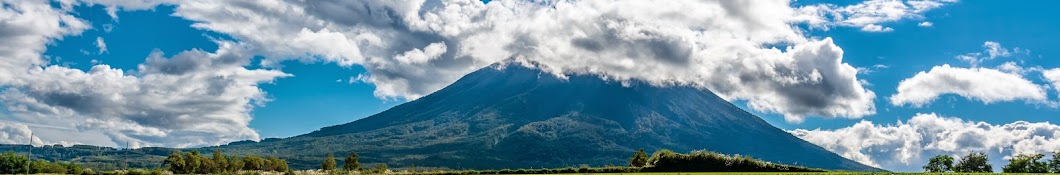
(780, 173)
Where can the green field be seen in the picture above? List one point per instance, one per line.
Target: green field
(781, 173)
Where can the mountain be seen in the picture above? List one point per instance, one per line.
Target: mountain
(511, 116)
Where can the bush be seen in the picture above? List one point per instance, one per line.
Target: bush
(706, 161)
(639, 159)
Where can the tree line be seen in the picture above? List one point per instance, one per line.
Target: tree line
(352, 164)
(194, 163)
(705, 161)
(11, 163)
(977, 162)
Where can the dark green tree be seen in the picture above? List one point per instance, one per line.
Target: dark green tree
(939, 163)
(1054, 164)
(329, 163)
(176, 163)
(639, 159)
(974, 163)
(1026, 163)
(11, 163)
(192, 162)
(352, 164)
(276, 164)
(235, 164)
(220, 162)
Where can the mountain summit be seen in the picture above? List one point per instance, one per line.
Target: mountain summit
(512, 116)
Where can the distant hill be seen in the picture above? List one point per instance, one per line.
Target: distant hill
(511, 116)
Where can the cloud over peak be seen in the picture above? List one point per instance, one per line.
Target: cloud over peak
(752, 51)
(413, 48)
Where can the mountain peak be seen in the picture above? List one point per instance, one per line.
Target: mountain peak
(514, 114)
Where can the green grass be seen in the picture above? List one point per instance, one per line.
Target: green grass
(782, 173)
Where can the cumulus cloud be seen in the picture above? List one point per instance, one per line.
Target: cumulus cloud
(412, 48)
(194, 98)
(907, 146)
(16, 133)
(1053, 76)
(983, 84)
(869, 15)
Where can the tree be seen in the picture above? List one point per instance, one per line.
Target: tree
(1054, 164)
(1026, 163)
(220, 162)
(639, 159)
(11, 163)
(329, 163)
(235, 164)
(276, 164)
(974, 163)
(940, 163)
(175, 163)
(352, 164)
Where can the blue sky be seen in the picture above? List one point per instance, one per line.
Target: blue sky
(957, 29)
(321, 85)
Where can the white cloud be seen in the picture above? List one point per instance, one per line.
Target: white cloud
(413, 48)
(101, 45)
(195, 98)
(720, 49)
(907, 146)
(926, 24)
(983, 84)
(16, 133)
(1053, 76)
(868, 15)
(417, 56)
(991, 51)
(876, 28)
(1013, 68)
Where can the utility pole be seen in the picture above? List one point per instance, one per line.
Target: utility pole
(30, 157)
(126, 159)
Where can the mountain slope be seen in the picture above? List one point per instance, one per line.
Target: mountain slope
(510, 116)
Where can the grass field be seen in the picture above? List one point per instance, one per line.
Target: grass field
(782, 173)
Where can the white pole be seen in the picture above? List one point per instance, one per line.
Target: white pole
(30, 157)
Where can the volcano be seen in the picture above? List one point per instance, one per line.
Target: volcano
(516, 116)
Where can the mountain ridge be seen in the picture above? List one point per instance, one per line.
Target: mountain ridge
(516, 116)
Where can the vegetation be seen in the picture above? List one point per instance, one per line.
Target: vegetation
(706, 161)
(974, 163)
(11, 163)
(940, 163)
(1054, 164)
(194, 163)
(329, 163)
(639, 159)
(351, 163)
(1026, 163)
